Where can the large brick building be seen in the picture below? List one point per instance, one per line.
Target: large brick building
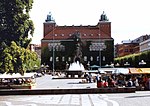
(59, 43)
(126, 48)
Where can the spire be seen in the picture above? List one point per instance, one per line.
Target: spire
(103, 17)
(49, 18)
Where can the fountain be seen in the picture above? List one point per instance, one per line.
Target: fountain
(76, 68)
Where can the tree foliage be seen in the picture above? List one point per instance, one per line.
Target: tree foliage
(134, 59)
(17, 59)
(15, 28)
(15, 23)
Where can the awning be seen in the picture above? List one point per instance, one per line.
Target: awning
(121, 71)
(94, 66)
(106, 70)
(146, 70)
(139, 70)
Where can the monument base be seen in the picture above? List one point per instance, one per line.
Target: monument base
(73, 74)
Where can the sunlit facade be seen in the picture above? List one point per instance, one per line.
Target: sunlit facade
(58, 46)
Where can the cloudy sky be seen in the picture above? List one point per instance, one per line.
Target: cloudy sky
(129, 18)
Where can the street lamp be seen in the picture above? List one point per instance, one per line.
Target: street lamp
(53, 52)
(99, 50)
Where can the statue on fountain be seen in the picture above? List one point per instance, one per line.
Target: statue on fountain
(78, 52)
(76, 68)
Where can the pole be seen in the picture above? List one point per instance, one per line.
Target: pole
(53, 53)
(99, 48)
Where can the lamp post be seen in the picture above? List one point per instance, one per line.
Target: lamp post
(53, 53)
(99, 51)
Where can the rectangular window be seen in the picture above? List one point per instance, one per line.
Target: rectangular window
(91, 58)
(85, 58)
(97, 58)
(51, 59)
(131, 50)
(63, 58)
(57, 59)
(69, 58)
(126, 50)
(103, 58)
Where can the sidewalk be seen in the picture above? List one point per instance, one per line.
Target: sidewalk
(47, 85)
(47, 82)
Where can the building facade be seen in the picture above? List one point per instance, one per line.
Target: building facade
(36, 48)
(128, 47)
(90, 45)
(145, 45)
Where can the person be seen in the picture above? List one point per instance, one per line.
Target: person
(136, 82)
(149, 83)
(130, 83)
(100, 83)
(86, 77)
(145, 82)
(90, 77)
(109, 81)
(98, 77)
(105, 84)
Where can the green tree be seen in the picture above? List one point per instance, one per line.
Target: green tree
(15, 23)
(16, 59)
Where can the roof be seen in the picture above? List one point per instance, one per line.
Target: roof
(86, 32)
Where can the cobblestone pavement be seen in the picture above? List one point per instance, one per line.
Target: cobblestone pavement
(115, 99)
(58, 100)
(140, 98)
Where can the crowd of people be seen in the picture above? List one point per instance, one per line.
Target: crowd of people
(121, 80)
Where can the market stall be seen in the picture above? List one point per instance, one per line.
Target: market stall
(17, 81)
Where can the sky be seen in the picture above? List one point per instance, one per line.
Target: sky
(129, 19)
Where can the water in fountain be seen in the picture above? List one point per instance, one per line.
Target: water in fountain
(76, 66)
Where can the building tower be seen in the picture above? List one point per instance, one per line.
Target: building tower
(49, 24)
(104, 24)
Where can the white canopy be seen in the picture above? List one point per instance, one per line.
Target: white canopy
(17, 75)
(121, 71)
